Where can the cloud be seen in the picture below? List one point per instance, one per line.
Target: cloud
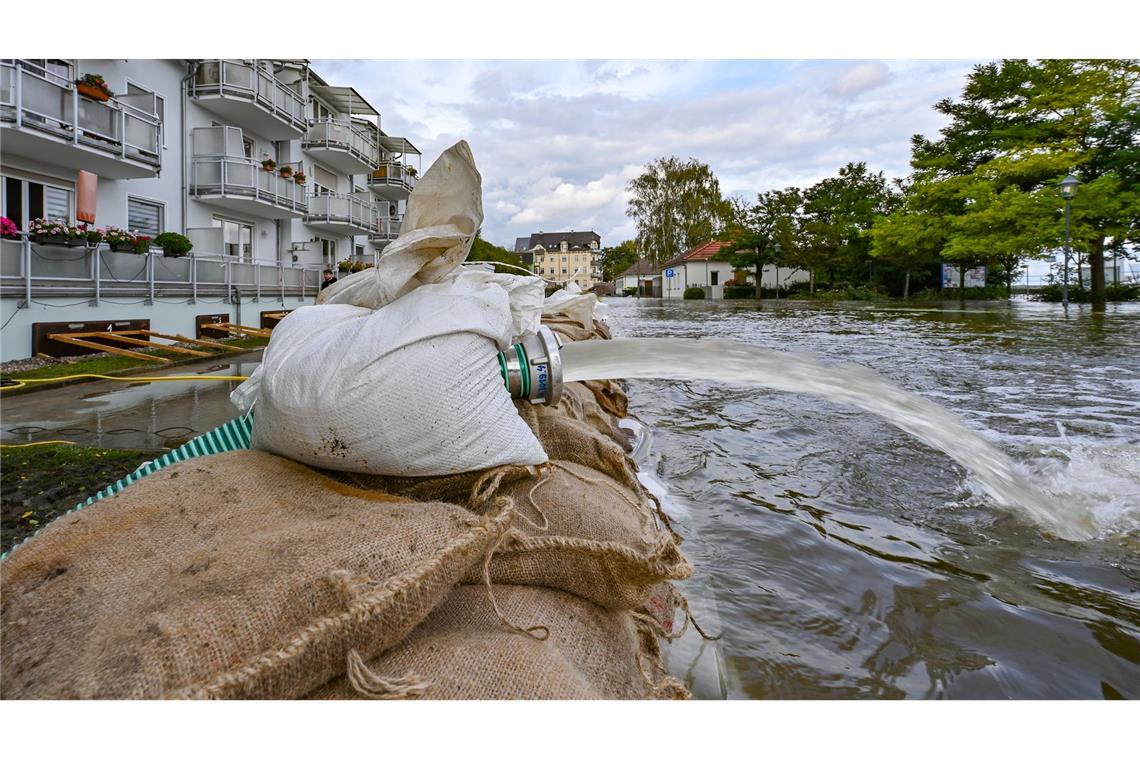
(860, 79)
(557, 141)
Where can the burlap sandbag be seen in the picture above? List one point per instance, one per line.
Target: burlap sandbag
(461, 651)
(578, 530)
(237, 575)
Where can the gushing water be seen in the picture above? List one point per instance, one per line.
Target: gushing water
(739, 364)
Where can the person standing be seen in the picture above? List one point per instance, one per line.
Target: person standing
(329, 278)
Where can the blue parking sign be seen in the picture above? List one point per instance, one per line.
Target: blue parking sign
(668, 272)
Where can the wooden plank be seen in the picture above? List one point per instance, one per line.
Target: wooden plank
(240, 329)
(109, 349)
(139, 342)
(42, 332)
(193, 341)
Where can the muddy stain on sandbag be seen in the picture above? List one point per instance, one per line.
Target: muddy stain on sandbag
(333, 445)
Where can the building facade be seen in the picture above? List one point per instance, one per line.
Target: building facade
(273, 174)
(696, 268)
(563, 257)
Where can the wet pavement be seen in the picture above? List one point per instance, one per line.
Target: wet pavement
(128, 415)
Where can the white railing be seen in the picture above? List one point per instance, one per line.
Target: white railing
(244, 177)
(335, 134)
(28, 270)
(249, 81)
(392, 173)
(388, 229)
(338, 208)
(43, 101)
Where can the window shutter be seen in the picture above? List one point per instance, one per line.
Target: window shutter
(144, 217)
(57, 203)
(325, 178)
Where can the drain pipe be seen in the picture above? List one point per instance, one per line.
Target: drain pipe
(185, 157)
(235, 298)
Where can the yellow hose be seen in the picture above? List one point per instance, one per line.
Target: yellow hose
(123, 379)
(37, 443)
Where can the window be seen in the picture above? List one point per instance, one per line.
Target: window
(324, 181)
(25, 200)
(237, 237)
(321, 111)
(715, 277)
(144, 217)
(360, 251)
(247, 146)
(328, 252)
(160, 109)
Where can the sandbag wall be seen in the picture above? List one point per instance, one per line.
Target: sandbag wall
(245, 575)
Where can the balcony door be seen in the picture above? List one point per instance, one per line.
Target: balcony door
(237, 237)
(24, 200)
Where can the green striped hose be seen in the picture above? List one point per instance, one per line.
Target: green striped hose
(232, 436)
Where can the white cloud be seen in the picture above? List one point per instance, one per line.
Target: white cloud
(557, 141)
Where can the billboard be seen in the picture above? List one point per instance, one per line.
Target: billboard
(975, 278)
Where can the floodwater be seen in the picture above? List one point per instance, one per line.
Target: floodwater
(845, 559)
(129, 415)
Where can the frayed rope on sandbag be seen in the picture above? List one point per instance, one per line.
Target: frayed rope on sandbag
(368, 684)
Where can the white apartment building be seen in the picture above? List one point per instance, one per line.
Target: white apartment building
(185, 146)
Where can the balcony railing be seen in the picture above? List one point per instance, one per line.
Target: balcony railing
(388, 229)
(347, 138)
(36, 100)
(340, 210)
(230, 176)
(248, 81)
(392, 174)
(28, 270)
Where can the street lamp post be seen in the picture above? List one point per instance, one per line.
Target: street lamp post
(1068, 190)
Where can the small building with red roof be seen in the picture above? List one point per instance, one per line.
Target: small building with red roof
(696, 268)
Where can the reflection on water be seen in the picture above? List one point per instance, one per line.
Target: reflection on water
(849, 560)
(113, 414)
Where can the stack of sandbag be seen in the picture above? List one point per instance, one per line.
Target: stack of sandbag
(241, 575)
(579, 594)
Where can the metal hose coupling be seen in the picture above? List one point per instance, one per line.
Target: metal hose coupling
(532, 368)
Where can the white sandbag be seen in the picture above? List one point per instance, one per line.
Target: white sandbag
(412, 389)
(573, 303)
(444, 213)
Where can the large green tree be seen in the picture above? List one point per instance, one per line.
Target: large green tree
(675, 205)
(838, 213)
(767, 232)
(1019, 127)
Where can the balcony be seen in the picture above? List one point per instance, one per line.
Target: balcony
(45, 118)
(221, 175)
(388, 230)
(343, 214)
(347, 146)
(392, 181)
(247, 94)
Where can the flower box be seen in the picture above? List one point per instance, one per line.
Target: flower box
(49, 239)
(123, 247)
(93, 92)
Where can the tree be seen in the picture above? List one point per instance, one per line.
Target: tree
(616, 259)
(675, 205)
(838, 213)
(762, 234)
(481, 250)
(1026, 124)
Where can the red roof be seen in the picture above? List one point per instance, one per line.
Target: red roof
(704, 251)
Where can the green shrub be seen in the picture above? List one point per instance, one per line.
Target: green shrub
(739, 291)
(694, 293)
(172, 242)
(628, 291)
(1112, 292)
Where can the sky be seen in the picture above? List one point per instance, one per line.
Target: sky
(557, 141)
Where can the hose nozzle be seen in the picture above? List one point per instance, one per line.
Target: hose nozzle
(532, 368)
